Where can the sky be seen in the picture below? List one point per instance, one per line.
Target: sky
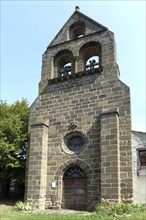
(27, 28)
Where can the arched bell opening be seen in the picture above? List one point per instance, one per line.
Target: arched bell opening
(77, 30)
(63, 63)
(91, 55)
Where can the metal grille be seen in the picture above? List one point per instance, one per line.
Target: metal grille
(75, 172)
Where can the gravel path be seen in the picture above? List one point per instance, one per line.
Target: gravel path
(62, 212)
(9, 203)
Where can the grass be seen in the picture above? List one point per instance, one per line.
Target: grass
(113, 211)
(10, 214)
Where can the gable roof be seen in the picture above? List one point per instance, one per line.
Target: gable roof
(77, 16)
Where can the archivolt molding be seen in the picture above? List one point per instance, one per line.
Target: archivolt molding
(73, 162)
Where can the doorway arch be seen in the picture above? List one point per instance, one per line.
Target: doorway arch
(74, 191)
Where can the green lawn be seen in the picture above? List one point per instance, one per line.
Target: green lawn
(10, 214)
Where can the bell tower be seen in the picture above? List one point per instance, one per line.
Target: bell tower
(80, 123)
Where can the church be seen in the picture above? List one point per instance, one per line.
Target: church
(80, 147)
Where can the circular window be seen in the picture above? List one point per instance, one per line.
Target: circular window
(75, 143)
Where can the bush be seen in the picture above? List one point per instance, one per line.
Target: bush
(24, 206)
(113, 209)
(139, 207)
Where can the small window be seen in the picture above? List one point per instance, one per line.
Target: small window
(142, 157)
(77, 30)
(75, 143)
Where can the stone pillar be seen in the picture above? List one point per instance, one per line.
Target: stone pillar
(76, 59)
(51, 69)
(110, 164)
(80, 65)
(36, 177)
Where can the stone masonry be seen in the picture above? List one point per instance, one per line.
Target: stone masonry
(91, 104)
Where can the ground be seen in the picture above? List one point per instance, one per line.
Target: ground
(6, 203)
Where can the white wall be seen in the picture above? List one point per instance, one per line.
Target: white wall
(139, 175)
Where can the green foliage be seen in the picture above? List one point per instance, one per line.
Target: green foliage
(24, 206)
(15, 215)
(119, 210)
(138, 207)
(13, 140)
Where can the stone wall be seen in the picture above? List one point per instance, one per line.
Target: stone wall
(82, 101)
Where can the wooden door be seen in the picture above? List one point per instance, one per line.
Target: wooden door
(74, 193)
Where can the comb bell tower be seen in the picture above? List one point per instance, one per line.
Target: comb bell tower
(80, 123)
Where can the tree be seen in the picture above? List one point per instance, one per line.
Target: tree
(13, 141)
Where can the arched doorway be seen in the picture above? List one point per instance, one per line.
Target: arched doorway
(74, 192)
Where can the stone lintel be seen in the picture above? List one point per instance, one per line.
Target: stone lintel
(39, 125)
(114, 111)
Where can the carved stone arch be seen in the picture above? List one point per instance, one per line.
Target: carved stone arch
(77, 30)
(89, 50)
(61, 59)
(73, 162)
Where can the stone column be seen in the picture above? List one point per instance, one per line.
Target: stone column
(36, 177)
(80, 65)
(110, 164)
(76, 59)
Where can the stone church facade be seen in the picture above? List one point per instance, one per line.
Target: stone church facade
(80, 123)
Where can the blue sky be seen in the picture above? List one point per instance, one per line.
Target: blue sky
(27, 28)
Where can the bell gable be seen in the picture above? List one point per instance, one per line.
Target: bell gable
(77, 25)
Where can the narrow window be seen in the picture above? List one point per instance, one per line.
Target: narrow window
(142, 157)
